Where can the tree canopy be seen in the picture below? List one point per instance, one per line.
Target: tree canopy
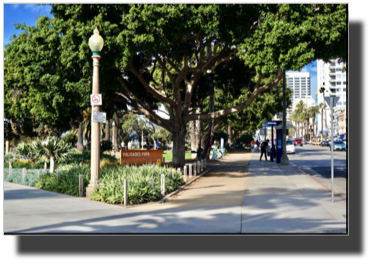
(140, 38)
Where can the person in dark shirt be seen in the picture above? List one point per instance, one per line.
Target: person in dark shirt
(264, 146)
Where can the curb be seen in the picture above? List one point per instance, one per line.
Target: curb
(327, 188)
(163, 200)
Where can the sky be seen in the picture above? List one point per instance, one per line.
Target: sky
(29, 13)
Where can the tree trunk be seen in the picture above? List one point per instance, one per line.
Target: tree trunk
(193, 139)
(154, 143)
(52, 164)
(229, 131)
(179, 136)
(80, 137)
(197, 131)
(322, 123)
(142, 140)
(207, 148)
(115, 133)
(7, 147)
(107, 129)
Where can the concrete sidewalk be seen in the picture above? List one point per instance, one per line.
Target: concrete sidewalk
(282, 199)
(260, 198)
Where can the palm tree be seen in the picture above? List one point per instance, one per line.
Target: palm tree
(295, 117)
(307, 117)
(55, 149)
(313, 112)
(301, 107)
(22, 150)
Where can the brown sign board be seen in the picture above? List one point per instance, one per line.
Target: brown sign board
(141, 157)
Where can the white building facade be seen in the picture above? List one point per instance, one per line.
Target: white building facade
(331, 77)
(299, 82)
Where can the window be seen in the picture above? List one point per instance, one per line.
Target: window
(344, 90)
(344, 103)
(338, 83)
(338, 90)
(338, 77)
(338, 69)
(339, 103)
(344, 83)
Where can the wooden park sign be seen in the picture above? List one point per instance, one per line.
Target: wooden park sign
(141, 157)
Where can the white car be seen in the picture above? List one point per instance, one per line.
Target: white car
(290, 147)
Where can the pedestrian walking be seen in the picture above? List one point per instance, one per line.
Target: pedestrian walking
(199, 151)
(122, 145)
(264, 147)
(252, 147)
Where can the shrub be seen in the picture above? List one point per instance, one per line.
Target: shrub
(10, 157)
(111, 188)
(69, 181)
(107, 163)
(106, 145)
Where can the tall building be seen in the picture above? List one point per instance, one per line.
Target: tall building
(331, 77)
(299, 82)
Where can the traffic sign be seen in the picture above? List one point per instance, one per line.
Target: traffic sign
(335, 100)
(96, 99)
(99, 117)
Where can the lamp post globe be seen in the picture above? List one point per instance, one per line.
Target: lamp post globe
(96, 45)
(96, 42)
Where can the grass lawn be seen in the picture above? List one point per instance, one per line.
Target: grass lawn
(169, 157)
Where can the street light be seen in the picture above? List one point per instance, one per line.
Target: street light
(96, 45)
(332, 96)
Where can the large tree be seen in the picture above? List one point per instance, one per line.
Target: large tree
(140, 38)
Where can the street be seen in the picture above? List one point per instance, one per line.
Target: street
(316, 161)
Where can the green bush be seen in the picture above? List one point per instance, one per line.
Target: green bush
(106, 145)
(111, 188)
(69, 181)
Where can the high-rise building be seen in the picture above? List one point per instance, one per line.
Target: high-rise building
(299, 82)
(331, 77)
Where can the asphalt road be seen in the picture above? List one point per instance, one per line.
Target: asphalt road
(316, 161)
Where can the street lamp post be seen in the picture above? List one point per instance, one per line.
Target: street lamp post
(332, 147)
(96, 44)
(284, 157)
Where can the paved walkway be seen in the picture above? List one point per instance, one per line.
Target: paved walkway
(262, 197)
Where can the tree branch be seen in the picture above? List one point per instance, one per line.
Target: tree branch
(239, 107)
(145, 65)
(159, 95)
(142, 107)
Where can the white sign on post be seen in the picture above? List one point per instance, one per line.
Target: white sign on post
(99, 117)
(96, 99)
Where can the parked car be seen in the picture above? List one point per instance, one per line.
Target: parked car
(345, 142)
(298, 141)
(290, 147)
(339, 145)
(325, 143)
